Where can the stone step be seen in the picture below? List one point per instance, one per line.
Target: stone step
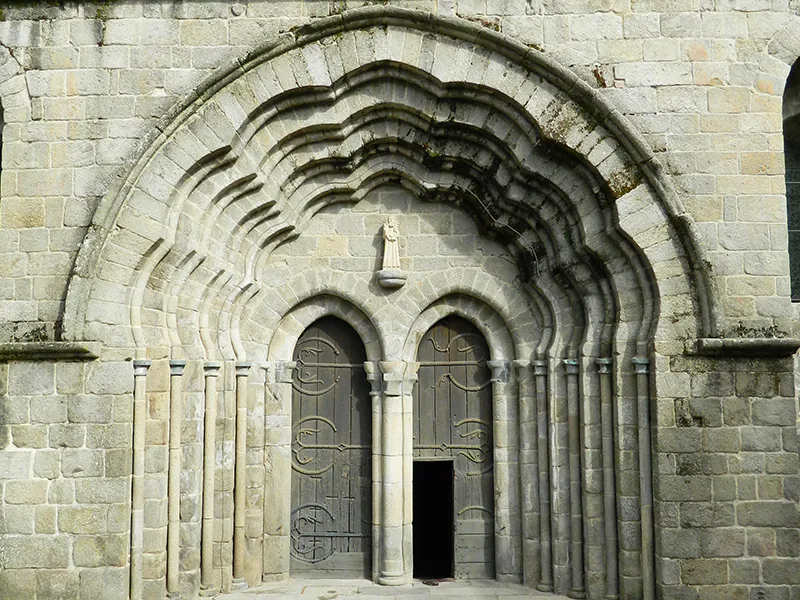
(346, 589)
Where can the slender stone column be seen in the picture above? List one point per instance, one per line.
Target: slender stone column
(529, 474)
(375, 380)
(642, 369)
(240, 477)
(408, 468)
(577, 589)
(392, 563)
(174, 478)
(507, 508)
(140, 368)
(607, 427)
(543, 429)
(209, 454)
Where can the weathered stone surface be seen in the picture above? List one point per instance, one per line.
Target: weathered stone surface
(699, 85)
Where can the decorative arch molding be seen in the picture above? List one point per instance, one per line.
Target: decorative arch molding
(781, 53)
(178, 257)
(204, 154)
(499, 337)
(302, 315)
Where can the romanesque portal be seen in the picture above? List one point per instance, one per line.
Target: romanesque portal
(511, 350)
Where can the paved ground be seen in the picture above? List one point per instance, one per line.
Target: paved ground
(342, 589)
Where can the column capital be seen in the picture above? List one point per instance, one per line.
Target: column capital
(373, 372)
(211, 368)
(176, 367)
(571, 366)
(641, 365)
(393, 376)
(540, 367)
(412, 372)
(604, 365)
(243, 368)
(284, 370)
(140, 367)
(500, 370)
(521, 364)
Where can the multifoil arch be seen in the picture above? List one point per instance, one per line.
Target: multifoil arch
(191, 163)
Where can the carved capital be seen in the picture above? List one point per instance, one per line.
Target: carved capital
(571, 366)
(176, 367)
(539, 368)
(211, 368)
(373, 376)
(501, 369)
(284, 370)
(393, 376)
(243, 369)
(641, 365)
(140, 367)
(604, 365)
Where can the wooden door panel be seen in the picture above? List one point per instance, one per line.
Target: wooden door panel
(453, 420)
(331, 522)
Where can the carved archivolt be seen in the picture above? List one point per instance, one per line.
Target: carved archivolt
(459, 116)
(177, 253)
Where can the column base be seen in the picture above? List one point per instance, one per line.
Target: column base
(576, 594)
(238, 583)
(544, 587)
(394, 580)
(208, 592)
(173, 596)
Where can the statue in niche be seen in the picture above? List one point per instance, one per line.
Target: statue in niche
(391, 244)
(391, 275)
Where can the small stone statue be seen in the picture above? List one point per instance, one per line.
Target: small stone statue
(391, 275)
(391, 246)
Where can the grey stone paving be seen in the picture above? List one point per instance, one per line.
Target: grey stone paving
(338, 589)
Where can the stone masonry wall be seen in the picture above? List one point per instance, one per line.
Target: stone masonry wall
(727, 480)
(65, 466)
(81, 84)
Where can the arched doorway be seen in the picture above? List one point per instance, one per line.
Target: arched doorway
(453, 462)
(331, 514)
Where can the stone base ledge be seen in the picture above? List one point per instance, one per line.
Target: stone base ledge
(49, 351)
(743, 347)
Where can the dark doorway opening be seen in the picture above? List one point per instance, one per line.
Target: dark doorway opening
(433, 519)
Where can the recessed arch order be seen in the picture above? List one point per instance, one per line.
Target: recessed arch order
(177, 253)
(458, 113)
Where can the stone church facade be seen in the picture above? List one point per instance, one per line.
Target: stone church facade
(265, 265)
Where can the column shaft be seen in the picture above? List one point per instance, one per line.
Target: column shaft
(507, 509)
(174, 478)
(577, 589)
(604, 369)
(240, 477)
(140, 368)
(543, 441)
(642, 369)
(392, 496)
(375, 380)
(529, 474)
(209, 464)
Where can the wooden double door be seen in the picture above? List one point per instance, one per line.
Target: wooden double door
(331, 452)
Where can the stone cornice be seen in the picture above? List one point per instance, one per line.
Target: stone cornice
(743, 347)
(49, 351)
